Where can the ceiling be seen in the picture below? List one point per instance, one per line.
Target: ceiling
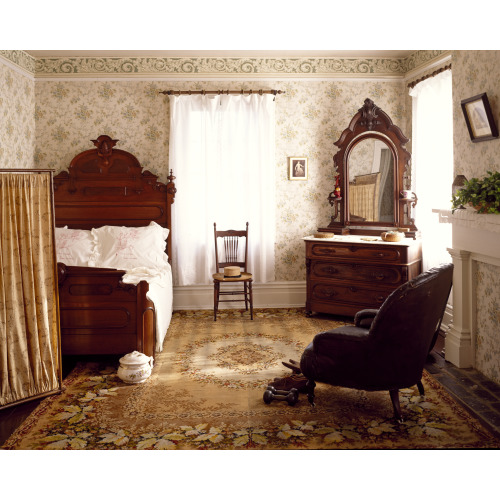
(220, 53)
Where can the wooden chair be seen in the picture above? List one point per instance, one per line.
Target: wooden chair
(229, 245)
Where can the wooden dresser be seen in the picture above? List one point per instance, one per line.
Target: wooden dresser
(347, 273)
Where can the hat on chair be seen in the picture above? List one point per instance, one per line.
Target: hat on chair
(232, 272)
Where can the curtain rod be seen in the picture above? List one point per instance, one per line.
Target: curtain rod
(220, 92)
(434, 73)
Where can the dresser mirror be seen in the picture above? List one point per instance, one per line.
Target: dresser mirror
(370, 169)
(372, 166)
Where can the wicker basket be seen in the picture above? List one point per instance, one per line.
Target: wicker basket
(392, 236)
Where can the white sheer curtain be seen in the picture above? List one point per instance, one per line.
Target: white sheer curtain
(432, 154)
(222, 154)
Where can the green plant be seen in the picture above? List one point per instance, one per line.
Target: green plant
(482, 194)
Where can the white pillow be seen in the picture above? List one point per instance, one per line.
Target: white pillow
(120, 247)
(74, 247)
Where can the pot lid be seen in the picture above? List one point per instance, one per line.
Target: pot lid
(134, 357)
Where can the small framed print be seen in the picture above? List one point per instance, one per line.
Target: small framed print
(297, 168)
(479, 118)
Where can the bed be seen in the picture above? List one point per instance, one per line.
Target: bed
(113, 242)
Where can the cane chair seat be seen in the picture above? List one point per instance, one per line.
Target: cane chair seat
(221, 277)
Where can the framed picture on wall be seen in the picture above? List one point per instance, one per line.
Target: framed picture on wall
(297, 168)
(479, 118)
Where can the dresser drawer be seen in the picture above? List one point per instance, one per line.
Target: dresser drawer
(347, 294)
(349, 274)
(372, 253)
(385, 275)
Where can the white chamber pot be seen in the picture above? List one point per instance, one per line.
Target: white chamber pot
(135, 367)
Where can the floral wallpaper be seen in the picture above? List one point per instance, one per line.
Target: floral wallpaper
(69, 114)
(50, 109)
(17, 124)
(475, 72)
(310, 117)
(488, 320)
(311, 114)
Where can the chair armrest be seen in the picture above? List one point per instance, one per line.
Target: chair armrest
(364, 318)
(339, 335)
(341, 343)
(346, 347)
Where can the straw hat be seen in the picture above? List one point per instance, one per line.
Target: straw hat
(232, 272)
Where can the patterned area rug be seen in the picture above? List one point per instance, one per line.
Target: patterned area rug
(206, 392)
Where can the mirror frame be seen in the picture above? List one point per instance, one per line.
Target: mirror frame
(372, 122)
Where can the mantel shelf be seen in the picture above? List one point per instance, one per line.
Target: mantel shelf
(475, 242)
(469, 218)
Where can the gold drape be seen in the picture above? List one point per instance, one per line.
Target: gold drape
(364, 195)
(29, 318)
(361, 201)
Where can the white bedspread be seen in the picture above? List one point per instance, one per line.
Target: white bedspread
(160, 293)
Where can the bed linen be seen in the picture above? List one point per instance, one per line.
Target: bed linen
(160, 293)
(124, 248)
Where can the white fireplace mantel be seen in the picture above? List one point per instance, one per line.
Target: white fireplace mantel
(469, 218)
(475, 238)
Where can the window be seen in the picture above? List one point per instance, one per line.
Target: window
(433, 163)
(222, 153)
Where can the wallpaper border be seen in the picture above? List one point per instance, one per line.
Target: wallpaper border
(198, 67)
(20, 59)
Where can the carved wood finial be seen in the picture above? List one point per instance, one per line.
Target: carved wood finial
(171, 189)
(369, 115)
(105, 145)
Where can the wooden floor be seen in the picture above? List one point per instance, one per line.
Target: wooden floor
(479, 395)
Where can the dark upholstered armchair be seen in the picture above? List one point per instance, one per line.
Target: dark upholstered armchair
(387, 348)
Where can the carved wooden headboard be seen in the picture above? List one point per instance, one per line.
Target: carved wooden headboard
(107, 186)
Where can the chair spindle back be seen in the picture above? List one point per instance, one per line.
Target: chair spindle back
(230, 246)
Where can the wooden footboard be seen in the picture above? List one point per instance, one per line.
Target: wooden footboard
(102, 315)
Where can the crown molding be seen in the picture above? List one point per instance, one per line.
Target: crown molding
(220, 67)
(20, 59)
(416, 70)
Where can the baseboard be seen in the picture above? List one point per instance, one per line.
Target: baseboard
(277, 294)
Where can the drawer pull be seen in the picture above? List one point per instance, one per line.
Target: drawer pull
(353, 289)
(329, 292)
(379, 276)
(380, 299)
(331, 270)
(381, 254)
